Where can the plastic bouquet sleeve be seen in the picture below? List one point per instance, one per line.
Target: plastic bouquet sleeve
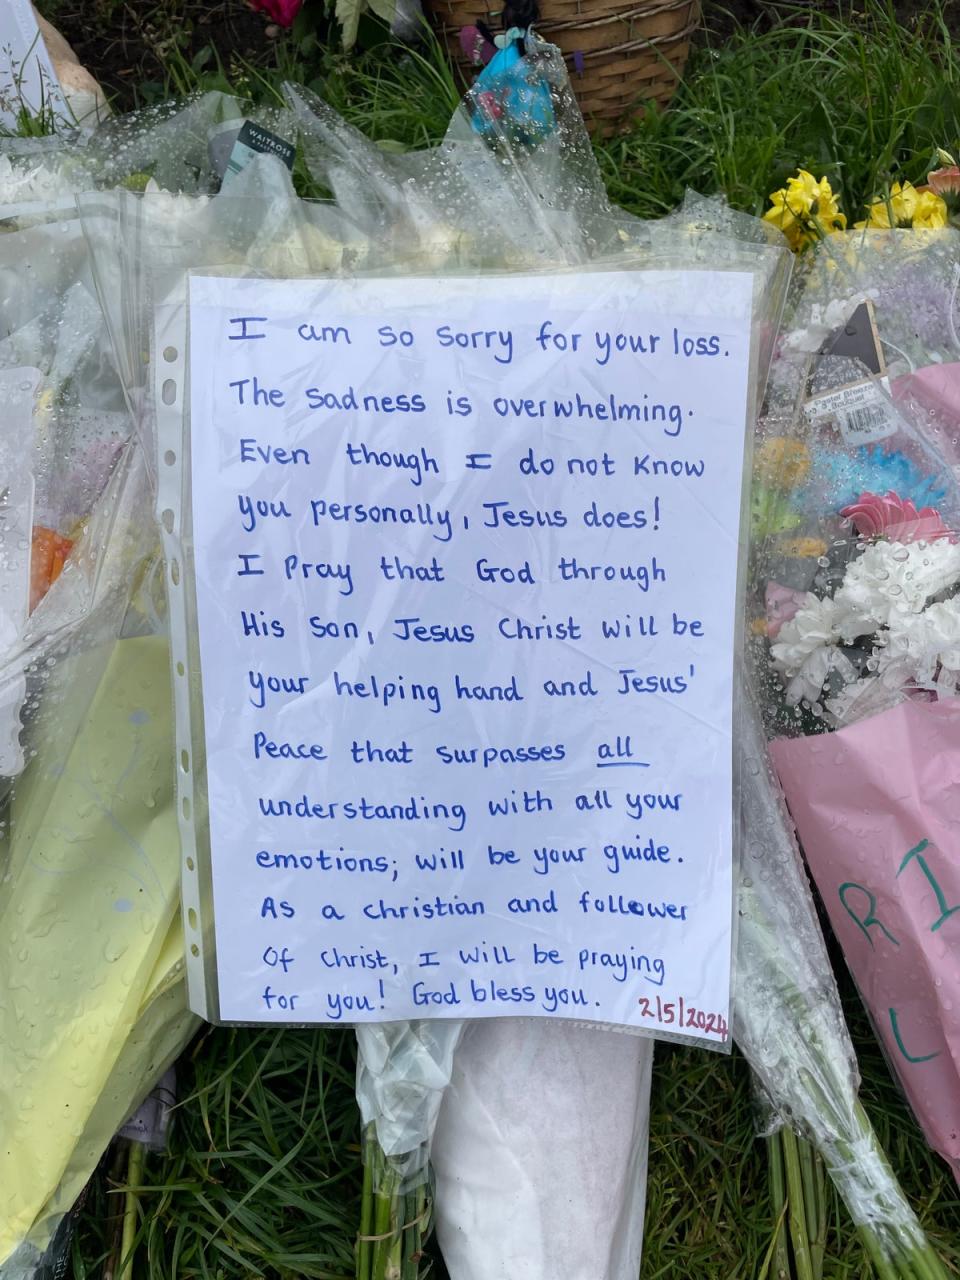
(858, 573)
(93, 1005)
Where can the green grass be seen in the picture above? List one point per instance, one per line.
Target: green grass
(708, 1213)
(861, 101)
(861, 98)
(262, 1178)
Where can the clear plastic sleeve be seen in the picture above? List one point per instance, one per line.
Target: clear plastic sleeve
(852, 559)
(790, 1025)
(479, 202)
(92, 968)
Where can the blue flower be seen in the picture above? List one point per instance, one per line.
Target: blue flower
(839, 479)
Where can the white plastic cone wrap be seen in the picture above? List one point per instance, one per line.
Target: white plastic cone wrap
(540, 1153)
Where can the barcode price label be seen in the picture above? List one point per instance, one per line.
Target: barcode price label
(861, 411)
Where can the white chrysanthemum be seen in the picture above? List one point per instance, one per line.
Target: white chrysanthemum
(893, 579)
(25, 182)
(867, 696)
(811, 628)
(170, 210)
(919, 645)
(806, 684)
(805, 651)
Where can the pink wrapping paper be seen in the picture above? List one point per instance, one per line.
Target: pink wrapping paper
(934, 390)
(877, 809)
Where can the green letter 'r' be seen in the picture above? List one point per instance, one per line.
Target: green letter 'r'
(866, 923)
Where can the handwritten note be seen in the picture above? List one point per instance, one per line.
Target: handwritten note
(466, 565)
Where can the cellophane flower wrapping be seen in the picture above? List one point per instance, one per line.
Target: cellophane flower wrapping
(856, 621)
(92, 1000)
(90, 931)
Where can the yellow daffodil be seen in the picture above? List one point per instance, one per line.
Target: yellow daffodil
(931, 211)
(805, 210)
(945, 183)
(907, 207)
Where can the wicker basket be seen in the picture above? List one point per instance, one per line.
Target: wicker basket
(621, 54)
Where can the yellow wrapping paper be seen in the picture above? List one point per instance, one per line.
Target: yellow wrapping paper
(92, 998)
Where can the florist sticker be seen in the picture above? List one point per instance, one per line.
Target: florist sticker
(466, 577)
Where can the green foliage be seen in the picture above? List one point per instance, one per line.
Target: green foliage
(862, 99)
(263, 1178)
(400, 96)
(349, 13)
(263, 1174)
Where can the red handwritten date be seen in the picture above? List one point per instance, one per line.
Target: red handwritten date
(683, 1016)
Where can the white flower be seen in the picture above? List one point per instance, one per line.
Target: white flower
(810, 628)
(918, 645)
(806, 684)
(805, 651)
(24, 181)
(893, 579)
(172, 211)
(888, 586)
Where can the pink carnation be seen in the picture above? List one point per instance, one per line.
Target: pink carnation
(282, 12)
(783, 603)
(894, 517)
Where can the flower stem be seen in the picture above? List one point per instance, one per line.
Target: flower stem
(364, 1246)
(781, 1207)
(131, 1202)
(798, 1211)
(393, 1223)
(814, 1201)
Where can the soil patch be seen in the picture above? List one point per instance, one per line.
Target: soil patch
(128, 44)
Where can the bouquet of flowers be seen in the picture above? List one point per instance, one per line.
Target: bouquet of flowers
(857, 626)
(92, 999)
(874, 656)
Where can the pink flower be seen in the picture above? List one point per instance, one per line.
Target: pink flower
(894, 517)
(782, 604)
(488, 104)
(282, 12)
(945, 182)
